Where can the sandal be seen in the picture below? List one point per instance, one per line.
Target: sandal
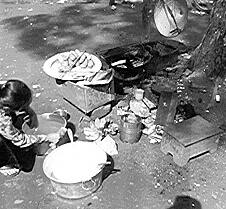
(9, 171)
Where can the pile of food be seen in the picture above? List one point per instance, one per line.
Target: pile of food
(74, 60)
(72, 65)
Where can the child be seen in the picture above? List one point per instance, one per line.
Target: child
(16, 150)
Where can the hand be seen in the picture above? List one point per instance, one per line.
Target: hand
(62, 131)
(31, 119)
(92, 134)
(54, 138)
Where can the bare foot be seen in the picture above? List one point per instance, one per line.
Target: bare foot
(8, 171)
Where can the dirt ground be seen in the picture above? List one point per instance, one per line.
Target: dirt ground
(32, 31)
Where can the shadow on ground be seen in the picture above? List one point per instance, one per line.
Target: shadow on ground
(89, 25)
(185, 202)
(46, 34)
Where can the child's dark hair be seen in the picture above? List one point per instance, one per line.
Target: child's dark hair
(15, 94)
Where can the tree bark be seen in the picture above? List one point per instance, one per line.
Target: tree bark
(210, 56)
(206, 83)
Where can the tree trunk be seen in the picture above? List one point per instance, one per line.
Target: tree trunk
(210, 56)
(205, 87)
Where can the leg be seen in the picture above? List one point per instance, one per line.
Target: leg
(165, 143)
(213, 149)
(7, 156)
(12, 156)
(215, 146)
(181, 160)
(8, 163)
(26, 158)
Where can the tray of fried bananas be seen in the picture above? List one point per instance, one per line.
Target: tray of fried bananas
(72, 65)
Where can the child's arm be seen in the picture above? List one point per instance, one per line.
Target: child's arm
(17, 137)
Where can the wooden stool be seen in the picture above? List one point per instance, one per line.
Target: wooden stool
(190, 139)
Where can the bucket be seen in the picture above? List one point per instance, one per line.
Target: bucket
(75, 169)
(47, 123)
(130, 129)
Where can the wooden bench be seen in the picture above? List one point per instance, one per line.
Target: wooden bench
(190, 139)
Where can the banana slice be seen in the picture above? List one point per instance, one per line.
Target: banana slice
(84, 64)
(90, 63)
(82, 60)
(72, 56)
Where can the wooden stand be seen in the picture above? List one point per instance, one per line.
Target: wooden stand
(189, 139)
(90, 100)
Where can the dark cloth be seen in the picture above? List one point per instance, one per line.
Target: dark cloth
(15, 156)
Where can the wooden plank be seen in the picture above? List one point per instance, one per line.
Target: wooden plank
(205, 145)
(192, 130)
(166, 109)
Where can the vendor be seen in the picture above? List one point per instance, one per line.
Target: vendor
(16, 147)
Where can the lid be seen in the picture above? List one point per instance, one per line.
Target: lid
(165, 23)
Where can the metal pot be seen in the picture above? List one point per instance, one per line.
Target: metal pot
(75, 169)
(77, 190)
(130, 131)
(47, 123)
